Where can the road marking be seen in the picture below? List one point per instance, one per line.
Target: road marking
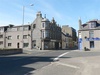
(68, 65)
(57, 58)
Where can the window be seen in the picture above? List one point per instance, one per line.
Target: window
(17, 36)
(91, 34)
(34, 26)
(25, 36)
(1, 29)
(25, 28)
(43, 34)
(1, 42)
(46, 34)
(9, 44)
(1, 36)
(18, 29)
(93, 24)
(25, 44)
(43, 25)
(9, 37)
(91, 44)
(9, 29)
(34, 43)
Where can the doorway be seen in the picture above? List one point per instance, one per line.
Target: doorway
(17, 45)
(56, 45)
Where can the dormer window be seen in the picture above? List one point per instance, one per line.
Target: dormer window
(92, 24)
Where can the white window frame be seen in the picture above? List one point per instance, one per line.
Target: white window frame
(1, 42)
(9, 37)
(9, 44)
(1, 36)
(25, 44)
(18, 36)
(43, 25)
(25, 28)
(25, 36)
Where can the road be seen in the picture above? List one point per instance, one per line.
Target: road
(74, 63)
(42, 62)
(26, 63)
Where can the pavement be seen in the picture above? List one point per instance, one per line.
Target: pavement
(89, 65)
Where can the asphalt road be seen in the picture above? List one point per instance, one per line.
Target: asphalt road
(27, 63)
(31, 61)
(74, 63)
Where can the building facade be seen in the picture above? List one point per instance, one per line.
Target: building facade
(68, 37)
(46, 34)
(15, 36)
(88, 35)
(41, 34)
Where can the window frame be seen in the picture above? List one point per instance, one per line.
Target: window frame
(1, 42)
(25, 45)
(9, 44)
(43, 25)
(1, 36)
(9, 37)
(91, 34)
(34, 25)
(18, 36)
(25, 36)
(91, 44)
(25, 28)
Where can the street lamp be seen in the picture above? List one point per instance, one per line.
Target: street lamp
(24, 13)
(23, 23)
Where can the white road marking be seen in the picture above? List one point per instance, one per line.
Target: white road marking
(68, 65)
(57, 58)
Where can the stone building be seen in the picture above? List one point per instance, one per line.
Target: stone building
(68, 37)
(15, 36)
(89, 35)
(41, 34)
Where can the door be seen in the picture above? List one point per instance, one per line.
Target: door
(56, 45)
(17, 45)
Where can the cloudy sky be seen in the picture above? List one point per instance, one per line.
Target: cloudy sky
(65, 12)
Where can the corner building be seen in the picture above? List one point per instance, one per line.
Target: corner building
(41, 34)
(89, 35)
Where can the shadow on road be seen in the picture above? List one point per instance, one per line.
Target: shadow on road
(16, 65)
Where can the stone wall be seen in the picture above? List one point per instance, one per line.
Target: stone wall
(10, 51)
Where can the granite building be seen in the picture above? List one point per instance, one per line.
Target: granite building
(68, 37)
(41, 34)
(89, 35)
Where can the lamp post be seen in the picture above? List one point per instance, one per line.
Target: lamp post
(23, 24)
(24, 13)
